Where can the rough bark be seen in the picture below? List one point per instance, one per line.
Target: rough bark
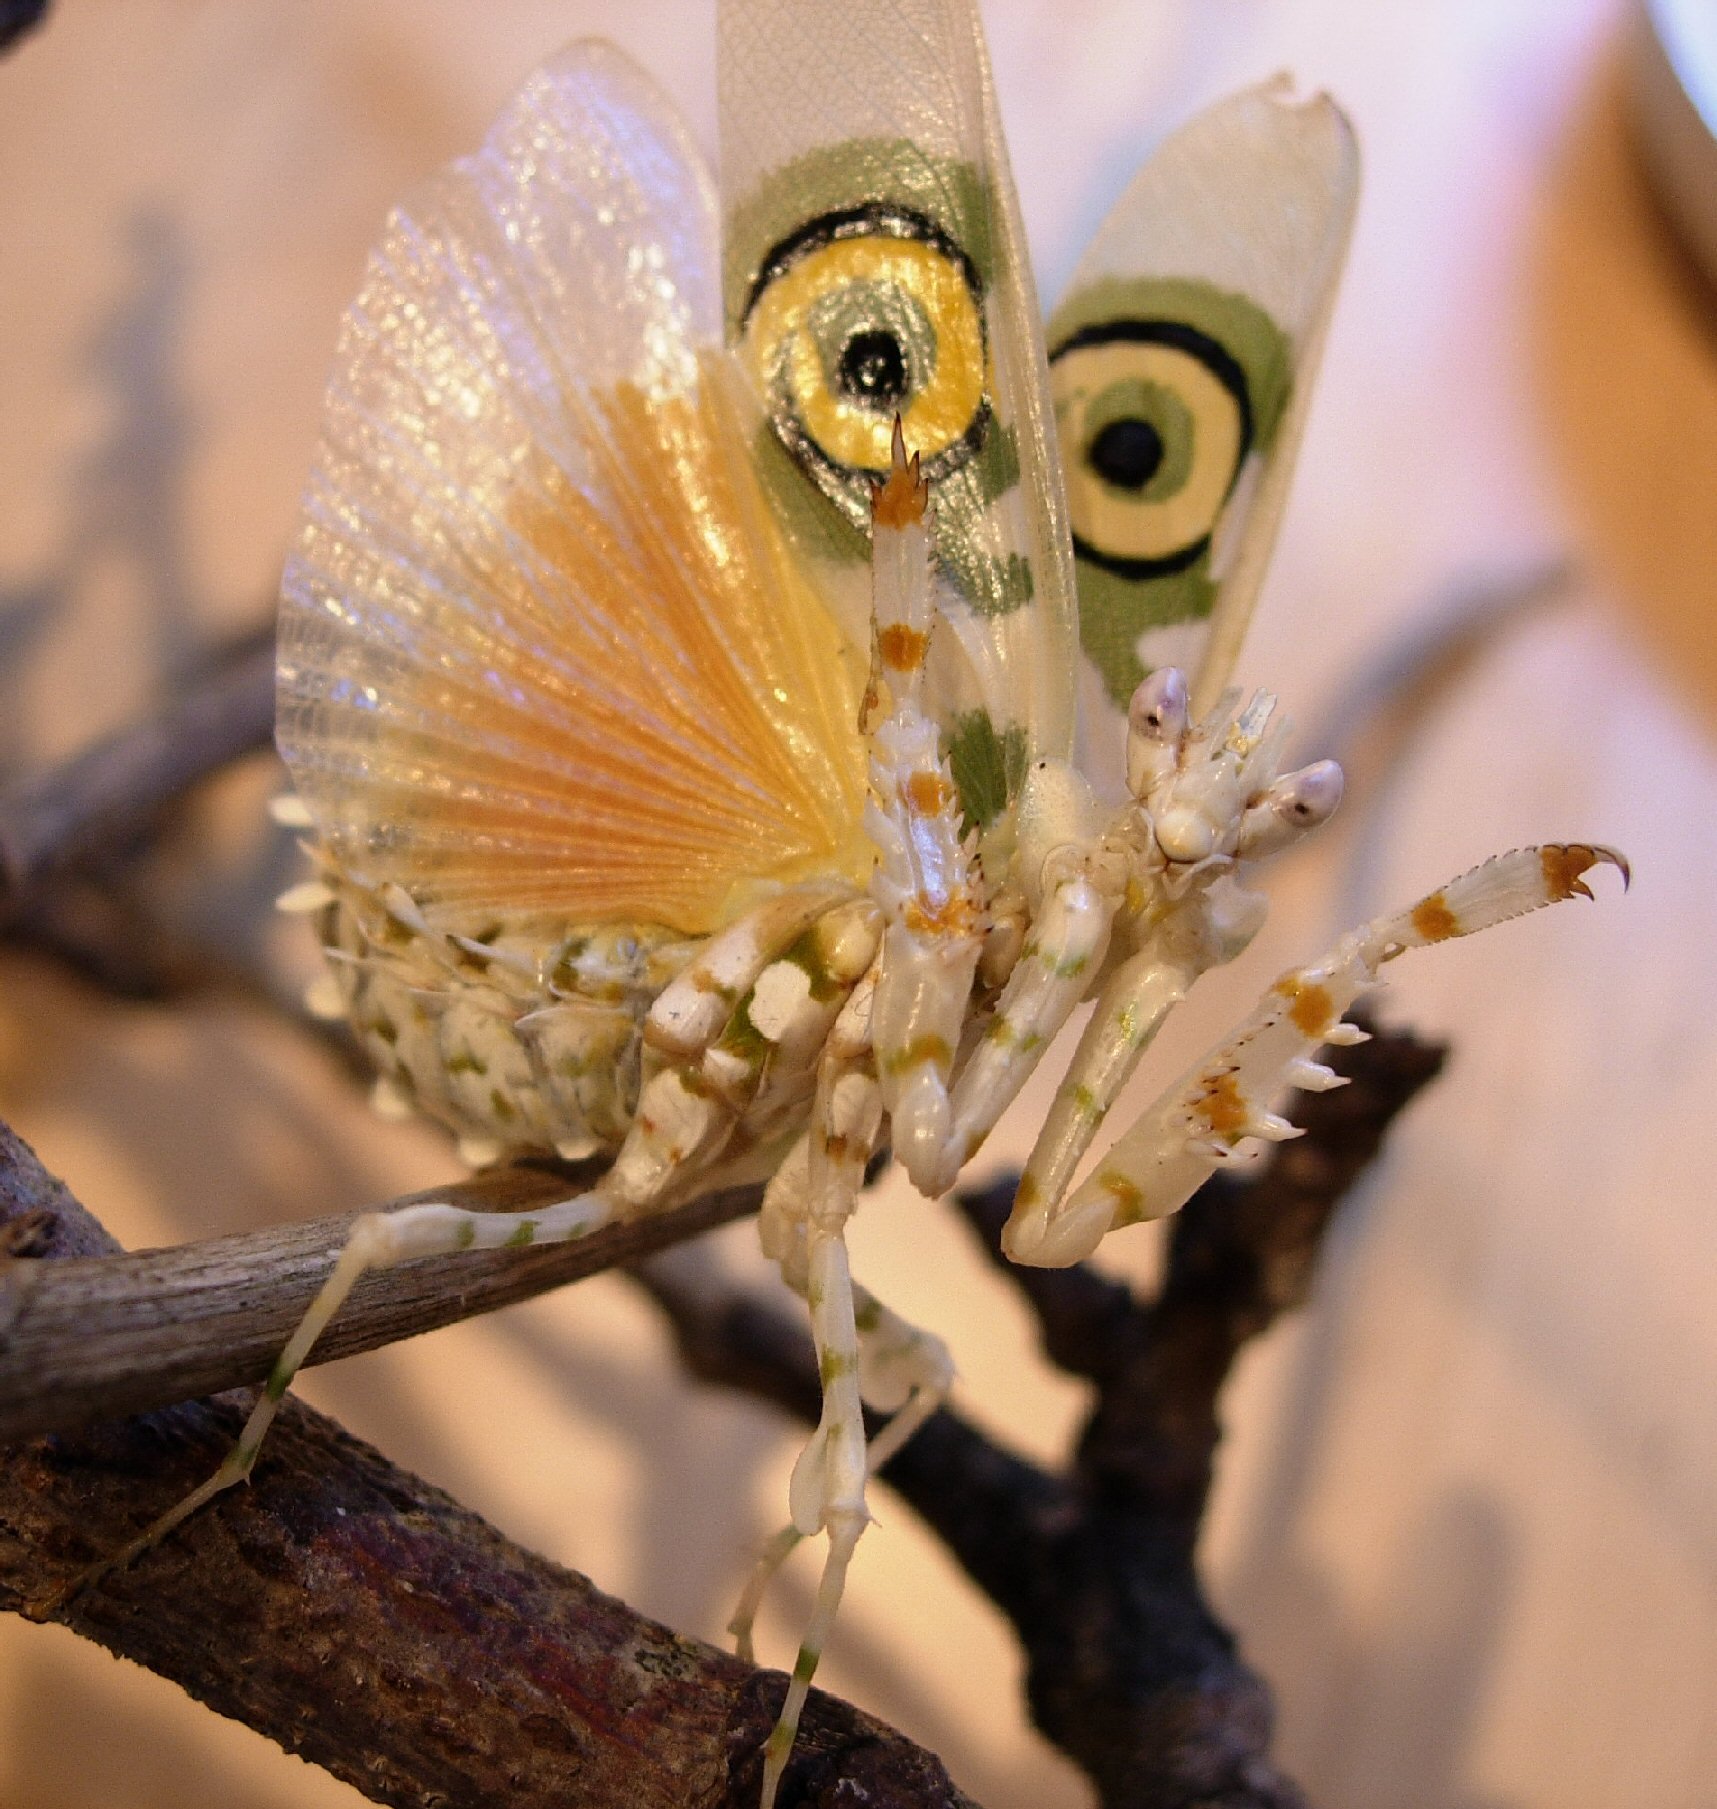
(1128, 1670)
(103, 1335)
(364, 1620)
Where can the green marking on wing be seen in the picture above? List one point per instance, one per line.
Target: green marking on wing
(988, 767)
(1114, 612)
(948, 192)
(1250, 336)
(996, 468)
(810, 519)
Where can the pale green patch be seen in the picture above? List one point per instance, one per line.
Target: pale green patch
(1006, 1035)
(1115, 611)
(988, 768)
(525, 1233)
(833, 178)
(810, 519)
(1137, 399)
(994, 585)
(743, 1040)
(807, 953)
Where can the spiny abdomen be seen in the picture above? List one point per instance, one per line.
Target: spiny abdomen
(525, 1038)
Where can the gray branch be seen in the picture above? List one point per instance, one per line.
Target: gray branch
(97, 1336)
(110, 792)
(367, 1622)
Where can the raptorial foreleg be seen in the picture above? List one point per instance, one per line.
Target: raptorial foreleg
(927, 881)
(1066, 947)
(1227, 1098)
(1130, 1011)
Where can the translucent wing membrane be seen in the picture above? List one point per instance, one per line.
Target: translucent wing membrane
(875, 265)
(543, 646)
(1181, 360)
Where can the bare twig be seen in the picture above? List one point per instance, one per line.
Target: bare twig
(364, 1620)
(104, 1335)
(111, 792)
(1129, 1672)
(18, 17)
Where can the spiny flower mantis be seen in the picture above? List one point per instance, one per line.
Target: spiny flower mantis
(734, 737)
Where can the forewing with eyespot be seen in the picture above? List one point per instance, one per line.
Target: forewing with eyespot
(874, 265)
(1180, 362)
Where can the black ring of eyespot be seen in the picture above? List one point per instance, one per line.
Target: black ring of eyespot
(879, 220)
(1223, 366)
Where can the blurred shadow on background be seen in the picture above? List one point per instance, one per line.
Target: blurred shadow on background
(1387, 1716)
(124, 499)
(1623, 331)
(128, 495)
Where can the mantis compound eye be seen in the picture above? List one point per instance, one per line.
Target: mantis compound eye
(1297, 802)
(1158, 711)
(1156, 727)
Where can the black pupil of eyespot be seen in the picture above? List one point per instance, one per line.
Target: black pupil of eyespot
(873, 369)
(1127, 453)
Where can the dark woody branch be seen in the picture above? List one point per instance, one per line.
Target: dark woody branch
(100, 1336)
(366, 1621)
(109, 795)
(1129, 1671)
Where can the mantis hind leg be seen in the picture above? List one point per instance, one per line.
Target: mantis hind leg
(378, 1240)
(903, 1371)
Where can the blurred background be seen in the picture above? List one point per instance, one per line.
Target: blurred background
(1467, 1516)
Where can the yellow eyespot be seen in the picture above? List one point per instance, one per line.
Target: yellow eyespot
(856, 318)
(1154, 422)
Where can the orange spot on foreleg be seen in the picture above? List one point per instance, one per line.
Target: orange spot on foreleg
(1433, 919)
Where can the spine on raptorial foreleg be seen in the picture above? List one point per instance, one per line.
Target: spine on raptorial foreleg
(926, 879)
(1227, 1097)
(1207, 802)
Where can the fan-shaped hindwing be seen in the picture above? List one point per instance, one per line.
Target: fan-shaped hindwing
(543, 647)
